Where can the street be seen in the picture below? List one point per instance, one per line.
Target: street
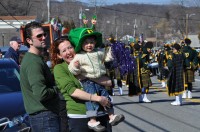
(160, 115)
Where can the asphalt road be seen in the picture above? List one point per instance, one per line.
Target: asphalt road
(160, 115)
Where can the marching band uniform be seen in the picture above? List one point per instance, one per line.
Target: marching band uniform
(114, 73)
(191, 62)
(162, 63)
(133, 79)
(145, 72)
(140, 81)
(175, 82)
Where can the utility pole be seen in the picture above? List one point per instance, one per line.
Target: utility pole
(80, 16)
(156, 37)
(134, 27)
(2, 38)
(186, 23)
(116, 33)
(116, 30)
(48, 8)
(95, 4)
(122, 27)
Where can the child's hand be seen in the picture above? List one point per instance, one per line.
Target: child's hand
(77, 64)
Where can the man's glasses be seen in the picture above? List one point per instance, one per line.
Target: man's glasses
(39, 36)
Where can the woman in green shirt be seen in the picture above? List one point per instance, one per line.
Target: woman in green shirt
(62, 52)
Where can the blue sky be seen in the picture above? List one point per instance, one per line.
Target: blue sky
(109, 2)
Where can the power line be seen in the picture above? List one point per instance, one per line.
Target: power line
(140, 14)
(138, 2)
(8, 23)
(9, 12)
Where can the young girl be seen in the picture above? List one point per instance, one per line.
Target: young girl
(89, 62)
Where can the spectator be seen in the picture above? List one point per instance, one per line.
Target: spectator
(41, 99)
(15, 43)
(62, 52)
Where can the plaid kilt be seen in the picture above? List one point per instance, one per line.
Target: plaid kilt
(133, 85)
(189, 76)
(145, 80)
(175, 83)
(133, 80)
(163, 74)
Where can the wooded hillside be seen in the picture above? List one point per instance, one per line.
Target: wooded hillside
(161, 21)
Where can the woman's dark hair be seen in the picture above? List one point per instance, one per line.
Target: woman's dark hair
(54, 50)
(28, 30)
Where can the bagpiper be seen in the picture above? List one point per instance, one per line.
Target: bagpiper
(140, 81)
(133, 79)
(145, 72)
(162, 64)
(175, 82)
(191, 62)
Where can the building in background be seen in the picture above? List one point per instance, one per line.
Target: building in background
(10, 25)
(195, 41)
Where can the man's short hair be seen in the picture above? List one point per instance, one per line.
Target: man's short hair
(28, 30)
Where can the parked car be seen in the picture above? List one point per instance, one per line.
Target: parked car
(12, 112)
